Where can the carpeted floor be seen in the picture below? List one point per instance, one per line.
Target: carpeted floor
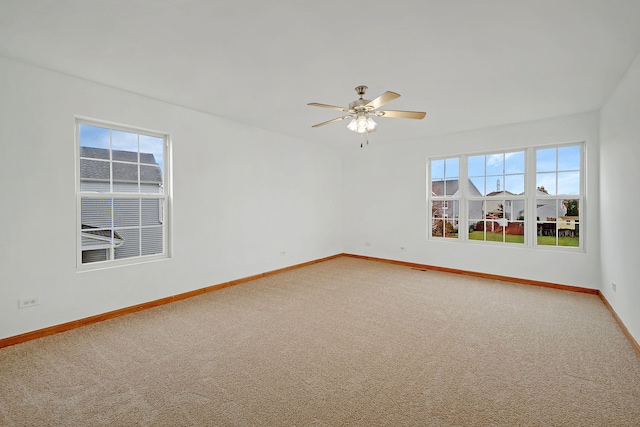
(342, 342)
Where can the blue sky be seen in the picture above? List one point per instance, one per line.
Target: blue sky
(557, 170)
(97, 137)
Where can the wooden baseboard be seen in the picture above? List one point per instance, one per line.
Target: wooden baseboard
(623, 328)
(28, 336)
(483, 275)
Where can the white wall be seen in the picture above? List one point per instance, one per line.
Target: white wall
(385, 204)
(619, 179)
(241, 197)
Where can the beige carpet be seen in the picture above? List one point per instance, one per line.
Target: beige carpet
(342, 342)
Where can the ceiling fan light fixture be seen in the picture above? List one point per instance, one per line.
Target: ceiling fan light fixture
(371, 125)
(352, 126)
(361, 124)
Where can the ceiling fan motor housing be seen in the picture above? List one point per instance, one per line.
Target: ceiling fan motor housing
(359, 106)
(360, 90)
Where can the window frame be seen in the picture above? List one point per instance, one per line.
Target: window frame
(447, 202)
(163, 197)
(560, 197)
(529, 198)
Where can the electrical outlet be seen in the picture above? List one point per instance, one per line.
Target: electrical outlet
(28, 302)
(613, 286)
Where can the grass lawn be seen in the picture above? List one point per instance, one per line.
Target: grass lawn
(496, 237)
(562, 241)
(510, 238)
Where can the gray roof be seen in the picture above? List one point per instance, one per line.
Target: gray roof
(125, 166)
(449, 187)
(96, 238)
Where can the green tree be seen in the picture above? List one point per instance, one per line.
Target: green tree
(572, 207)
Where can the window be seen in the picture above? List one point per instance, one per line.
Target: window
(495, 197)
(122, 198)
(445, 197)
(528, 197)
(558, 195)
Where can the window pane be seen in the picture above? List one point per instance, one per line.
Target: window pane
(96, 213)
(475, 166)
(559, 222)
(438, 208)
(569, 224)
(437, 170)
(124, 146)
(547, 233)
(493, 231)
(476, 219)
(151, 211)
(546, 209)
(495, 164)
(129, 245)
(572, 207)
(452, 168)
(444, 218)
(568, 182)
(476, 186)
(93, 136)
(569, 158)
(95, 186)
(513, 221)
(546, 160)
(495, 185)
(516, 209)
(515, 162)
(151, 175)
(151, 149)
(126, 212)
(494, 208)
(514, 184)
(94, 153)
(547, 213)
(126, 176)
(94, 255)
(94, 170)
(152, 241)
(438, 188)
(546, 183)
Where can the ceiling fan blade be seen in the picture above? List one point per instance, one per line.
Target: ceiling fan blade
(383, 99)
(331, 121)
(333, 107)
(401, 114)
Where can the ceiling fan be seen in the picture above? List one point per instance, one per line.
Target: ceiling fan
(361, 111)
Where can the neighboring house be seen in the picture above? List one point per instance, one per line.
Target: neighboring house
(98, 235)
(449, 208)
(502, 209)
(568, 226)
(514, 209)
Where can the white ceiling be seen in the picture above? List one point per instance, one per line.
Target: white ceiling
(468, 63)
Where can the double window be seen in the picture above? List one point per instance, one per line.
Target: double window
(122, 198)
(526, 197)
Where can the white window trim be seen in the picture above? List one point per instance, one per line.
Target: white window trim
(165, 197)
